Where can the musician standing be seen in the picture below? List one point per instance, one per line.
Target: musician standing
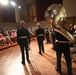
(61, 45)
(47, 35)
(40, 38)
(23, 39)
(71, 29)
(60, 35)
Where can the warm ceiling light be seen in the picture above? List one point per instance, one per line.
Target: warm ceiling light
(4, 2)
(19, 6)
(13, 3)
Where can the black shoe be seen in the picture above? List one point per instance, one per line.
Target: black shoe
(43, 52)
(50, 42)
(46, 42)
(28, 61)
(57, 70)
(40, 53)
(23, 63)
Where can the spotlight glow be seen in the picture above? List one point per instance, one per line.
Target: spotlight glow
(4, 2)
(19, 7)
(13, 3)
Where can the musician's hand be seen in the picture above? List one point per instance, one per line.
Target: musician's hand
(35, 38)
(52, 47)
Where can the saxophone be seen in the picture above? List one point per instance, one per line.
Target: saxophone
(56, 16)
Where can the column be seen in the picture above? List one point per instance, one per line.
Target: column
(17, 14)
(1, 18)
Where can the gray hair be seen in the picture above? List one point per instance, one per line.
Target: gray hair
(22, 22)
(38, 24)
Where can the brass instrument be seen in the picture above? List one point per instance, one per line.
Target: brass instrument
(56, 16)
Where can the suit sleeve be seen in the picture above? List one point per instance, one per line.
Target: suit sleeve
(36, 32)
(17, 37)
(44, 34)
(28, 35)
(53, 38)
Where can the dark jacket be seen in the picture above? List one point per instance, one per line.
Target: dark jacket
(59, 46)
(47, 33)
(22, 32)
(39, 32)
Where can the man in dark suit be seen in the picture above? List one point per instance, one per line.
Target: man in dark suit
(40, 38)
(61, 45)
(47, 35)
(23, 39)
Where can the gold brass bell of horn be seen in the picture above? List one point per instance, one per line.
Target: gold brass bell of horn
(56, 16)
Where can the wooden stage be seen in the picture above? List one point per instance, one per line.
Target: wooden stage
(10, 61)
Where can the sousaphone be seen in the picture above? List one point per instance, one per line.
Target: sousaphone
(56, 16)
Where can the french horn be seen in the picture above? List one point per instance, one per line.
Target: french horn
(56, 16)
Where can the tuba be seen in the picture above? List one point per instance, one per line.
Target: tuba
(56, 16)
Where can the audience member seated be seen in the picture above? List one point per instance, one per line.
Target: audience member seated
(2, 40)
(7, 36)
(13, 36)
